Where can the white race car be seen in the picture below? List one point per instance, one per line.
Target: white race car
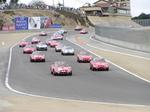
(41, 47)
(67, 50)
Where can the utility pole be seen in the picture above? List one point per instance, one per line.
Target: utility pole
(53, 4)
(63, 3)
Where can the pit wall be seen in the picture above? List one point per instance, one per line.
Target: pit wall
(136, 39)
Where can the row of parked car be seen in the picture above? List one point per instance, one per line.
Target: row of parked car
(60, 67)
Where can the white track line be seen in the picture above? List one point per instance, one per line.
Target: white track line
(54, 98)
(136, 75)
(117, 51)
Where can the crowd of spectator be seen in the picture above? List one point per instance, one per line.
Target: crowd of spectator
(6, 6)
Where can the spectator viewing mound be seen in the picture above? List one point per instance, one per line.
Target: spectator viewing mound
(58, 16)
(117, 21)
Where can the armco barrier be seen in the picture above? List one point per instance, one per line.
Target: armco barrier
(136, 39)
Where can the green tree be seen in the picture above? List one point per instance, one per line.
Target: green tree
(2, 1)
(37, 3)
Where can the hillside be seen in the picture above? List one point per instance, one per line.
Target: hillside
(119, 21)
(64, 18)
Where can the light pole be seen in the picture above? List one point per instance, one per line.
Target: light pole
(53, 4)
(63, 3)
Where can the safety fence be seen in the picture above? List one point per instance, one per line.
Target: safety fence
(143, 22)
(136, 39)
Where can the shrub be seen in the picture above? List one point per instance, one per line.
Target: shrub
(1, 24)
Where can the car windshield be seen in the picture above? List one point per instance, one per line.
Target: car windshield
(68, 48)
(37, 53)
(84, 53)
(35, 38)
(99, 60)
(61, 63)
(49, 39)
(60, 45)
(29, 46)
(41, 43)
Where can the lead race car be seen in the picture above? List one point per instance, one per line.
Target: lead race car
(60, 68)
(67, 50)
(83, 56)
(43, 33)
(41, 46)
(78, 28)
(29, 49)
(83, 31)
(37, 56)
(99, 64)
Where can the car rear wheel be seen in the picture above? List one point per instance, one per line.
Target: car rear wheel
(78, 60)
(51, 72)
(92, 68)
(54, 73)
(107, 69)
(70, 73)
(31, 60)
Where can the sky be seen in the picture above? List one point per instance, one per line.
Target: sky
(137, 6)
(70, 3)
(140, 6)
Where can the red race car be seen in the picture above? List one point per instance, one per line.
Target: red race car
(37, 56)
(99, 64)
(43, 33)
(60, 68)
(83, 31)
(52, 43)
(57, 37)
(29, 49)
(84, 57)
(23, 44)
(35, 40)
(78, 28)
(59, 47)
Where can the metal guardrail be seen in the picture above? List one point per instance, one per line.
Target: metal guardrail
(143, 22)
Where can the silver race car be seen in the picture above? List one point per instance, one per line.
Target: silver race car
(41, 47)
(67, 50)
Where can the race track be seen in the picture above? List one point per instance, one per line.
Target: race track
(114, 86)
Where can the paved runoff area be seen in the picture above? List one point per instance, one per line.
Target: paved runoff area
(12, 102)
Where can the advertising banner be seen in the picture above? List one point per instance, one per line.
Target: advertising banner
(8, 27)
(11, 27)
(56, 26)
(45, 22)
(21, 23)
(5, 27)
(34, 23)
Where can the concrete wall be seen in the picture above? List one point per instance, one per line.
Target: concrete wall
(137, 39)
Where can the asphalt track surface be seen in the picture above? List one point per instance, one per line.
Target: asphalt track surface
(114, 86)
